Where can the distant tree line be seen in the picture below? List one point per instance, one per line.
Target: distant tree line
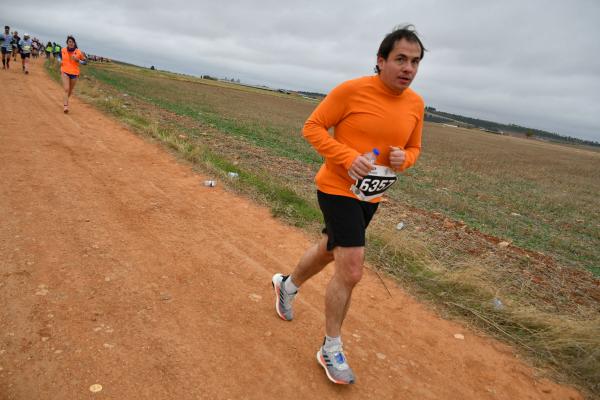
(435, 118)
(439, 116)
(313, 94)
(551, 136)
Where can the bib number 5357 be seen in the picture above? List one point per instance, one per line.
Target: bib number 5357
(377, 185)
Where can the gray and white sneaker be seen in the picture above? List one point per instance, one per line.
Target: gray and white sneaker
(336, 367)
(283, 299)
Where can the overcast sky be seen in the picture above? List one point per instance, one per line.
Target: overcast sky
(529, 62)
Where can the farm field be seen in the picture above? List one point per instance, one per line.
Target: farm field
(482, 179)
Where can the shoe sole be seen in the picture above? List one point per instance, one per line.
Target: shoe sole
(277, 289)
(331, 378)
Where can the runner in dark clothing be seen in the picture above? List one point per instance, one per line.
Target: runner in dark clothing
(48, 49)
(56, 50)
(15, 45)
(6, 47)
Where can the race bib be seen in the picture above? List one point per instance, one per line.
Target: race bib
(375, 184)
(26, 48)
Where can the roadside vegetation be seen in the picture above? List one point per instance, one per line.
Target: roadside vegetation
(501, 232)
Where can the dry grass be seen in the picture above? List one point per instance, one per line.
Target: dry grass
(458, 204)
(552, 188)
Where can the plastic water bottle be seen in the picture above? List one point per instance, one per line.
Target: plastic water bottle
(497, 303)
(371, 156)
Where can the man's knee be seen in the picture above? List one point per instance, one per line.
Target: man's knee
(349, 263)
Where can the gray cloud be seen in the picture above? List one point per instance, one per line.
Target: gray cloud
(532, 63)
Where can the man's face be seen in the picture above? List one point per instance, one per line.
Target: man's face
(400, 68)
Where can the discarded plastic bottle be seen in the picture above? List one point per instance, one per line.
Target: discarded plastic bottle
(497, 304)
(371, 156)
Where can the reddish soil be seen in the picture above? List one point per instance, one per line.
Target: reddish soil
(118, 268)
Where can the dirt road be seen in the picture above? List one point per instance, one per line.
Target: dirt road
(118, 268)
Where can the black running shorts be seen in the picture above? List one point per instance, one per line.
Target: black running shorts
(346, 219)
(6, 50)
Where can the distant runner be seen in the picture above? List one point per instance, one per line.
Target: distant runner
(48, 49)
(6, 47)
(56, 50)
(15, 45)
(374, 112)
(35, 52)
(25, 46)
(69, 70)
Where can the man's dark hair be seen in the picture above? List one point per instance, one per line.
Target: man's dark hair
(406, 32)
(6, 28)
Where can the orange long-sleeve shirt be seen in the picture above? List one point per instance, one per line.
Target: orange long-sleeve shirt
(365, 114)
(69, 65)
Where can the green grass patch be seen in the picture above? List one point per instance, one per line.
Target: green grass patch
(283, 140)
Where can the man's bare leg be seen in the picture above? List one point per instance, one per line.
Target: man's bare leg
(348, 272)
(312, 262)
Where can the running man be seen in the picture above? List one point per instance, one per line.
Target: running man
(6, 47)
(26, 46)
(69, 69)
(373, 112)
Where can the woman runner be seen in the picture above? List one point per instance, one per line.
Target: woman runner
(69, 69)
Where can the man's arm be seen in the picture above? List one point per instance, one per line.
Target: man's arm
(402, 159)
(329, 113)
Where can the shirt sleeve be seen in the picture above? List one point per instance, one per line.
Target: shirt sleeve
(413, 145)
(328, 113)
